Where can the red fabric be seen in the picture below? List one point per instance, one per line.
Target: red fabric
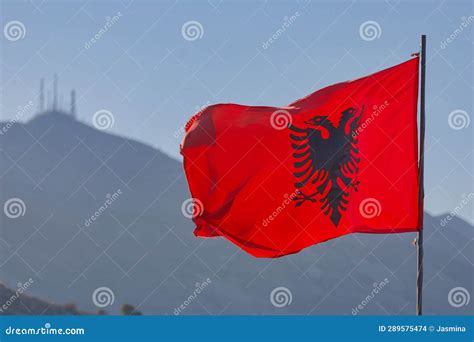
(339, 161)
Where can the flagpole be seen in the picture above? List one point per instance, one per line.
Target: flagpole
(421, 191)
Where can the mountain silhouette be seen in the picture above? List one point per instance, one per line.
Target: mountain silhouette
(27, 305)
(141, 246)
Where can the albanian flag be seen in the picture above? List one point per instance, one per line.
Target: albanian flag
(341, 160)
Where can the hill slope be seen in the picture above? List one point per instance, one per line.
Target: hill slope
(141, 246)
(23, 304)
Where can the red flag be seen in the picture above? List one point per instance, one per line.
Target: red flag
(341, 160)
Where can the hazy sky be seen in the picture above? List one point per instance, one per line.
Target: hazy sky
(152, 79)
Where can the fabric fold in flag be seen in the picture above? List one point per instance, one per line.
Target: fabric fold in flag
(275, 180)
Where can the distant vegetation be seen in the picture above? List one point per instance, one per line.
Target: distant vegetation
(129, 310)
(11, 303)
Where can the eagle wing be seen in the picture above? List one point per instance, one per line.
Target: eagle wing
(328, 160)
(309, 166)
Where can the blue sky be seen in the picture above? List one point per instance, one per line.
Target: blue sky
(152, 79)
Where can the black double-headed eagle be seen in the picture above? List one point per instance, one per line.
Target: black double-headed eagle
(326, 162)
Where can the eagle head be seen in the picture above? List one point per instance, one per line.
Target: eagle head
(320, 124)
